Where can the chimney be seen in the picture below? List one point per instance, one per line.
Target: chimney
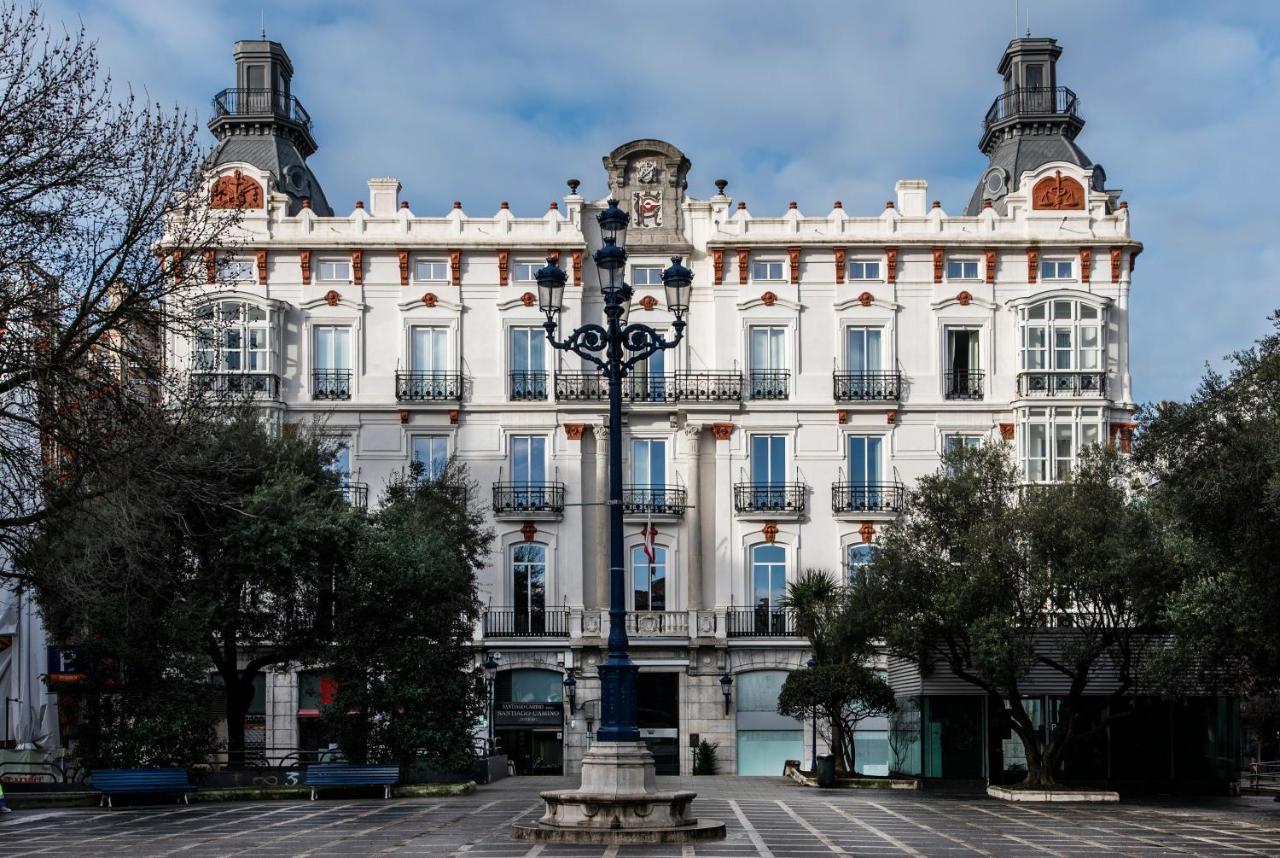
(384, 197)
(911, 197)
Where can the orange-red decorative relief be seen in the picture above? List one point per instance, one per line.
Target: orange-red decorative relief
(528, 530)
(793, 254)
(891, 417)
(1033, 264)
(502, 268)
(937, 264)
(1122, 436)
(1057, 192)
(236, 191)
(304, 257)
(717, 265)
(865, 299)
(722, 431)
(1006, 431)
(262, 266)
(648, 302)
(453, 416)
(770, 531)
(965, 299)
(769, 299)
(404, 267)
(991, 265)
(430, 299)
(842, 416)
(891, 264)
(576, 257)
(332, 298)
(455, 267)
(1086, 263)
(404, 415)
(867, 531)
(177, 266)
(839, 264)
(528, 299)
(744, 260)
(1117, 256)
(210, 266)
(573, 431)
(357, 267)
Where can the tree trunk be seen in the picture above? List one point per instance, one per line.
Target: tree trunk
(1038, 772)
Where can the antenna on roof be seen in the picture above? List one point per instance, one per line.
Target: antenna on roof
(1016, 16)
(262, 22)
(1028, 23)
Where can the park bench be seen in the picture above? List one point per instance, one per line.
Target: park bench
(140, 781)
(352, 774)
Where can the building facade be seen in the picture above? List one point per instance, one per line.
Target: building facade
(829, 361)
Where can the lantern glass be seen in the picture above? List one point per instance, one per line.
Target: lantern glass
(613, 223)
(551, 280)
(678, 283)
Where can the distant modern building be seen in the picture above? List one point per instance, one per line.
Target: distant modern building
(830, 360)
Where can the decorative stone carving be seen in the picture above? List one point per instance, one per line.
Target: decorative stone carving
(1006, 431)
(769, 299)
(1117, 257)
(991, 264)
(867, 531)
(576, 258)
(573, 431)
(455, 267)
(332, 297)
(1057, 192)
(648, 302)
(717, 263)
(770, 531)
(502, 267)
(891, 417)
(693, 431)
(404, 266)
(722, 431)
(866, 299)
(706, 623)
(842, 416)
(647, 209)
(304, 258)
(210, 266)
(965, 298)
(891, 264)
(261, 255)
(357, 267)
(591, 622)
(647, 172)
(430, 299)
(744, 265)
(404, 415)
(528, 530)
(793, 256)
(1033, 264)
(1086, 264)
(236, 191)
(528, 299)
(937, 264)
(839, 251)
(453, 417)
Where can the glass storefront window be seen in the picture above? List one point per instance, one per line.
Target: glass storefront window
(536, 686)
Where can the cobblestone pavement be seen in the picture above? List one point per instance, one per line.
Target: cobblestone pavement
(765, 817)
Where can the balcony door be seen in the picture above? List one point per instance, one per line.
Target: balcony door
(432, 453)
(429, 360)
(648, 380)
(768, 471)
(331, 353)
(862, 350)
(768, 362)
(529, 588)
(865, 474)
(529, 471)
(528, 363)
(768, 588)
(649, 463)
(648, 579)
(962, 363)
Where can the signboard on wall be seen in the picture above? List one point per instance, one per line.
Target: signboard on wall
(528, 714)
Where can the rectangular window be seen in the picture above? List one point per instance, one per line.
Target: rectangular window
(764, 270)
(862, 349)
(527, 272)
(649, 579)
(768, 583)
(528, 367)
(429, 350)
(1052, 439)
(646, 275)
(1056, 269)
(334, 269)
(236, 271)
(768, 469)
(529, 460)
(767, 362)
(256, 77)
(431, 271)
(432, 452)
(649, 462)
(864, 460)
(647, 381)
(952, 442)
(341, 464)
(864, 270)
(962, 269)
(332, 349)
(529, 587)
(963, 370)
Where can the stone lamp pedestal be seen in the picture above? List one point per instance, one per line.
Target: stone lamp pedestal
(618, 802)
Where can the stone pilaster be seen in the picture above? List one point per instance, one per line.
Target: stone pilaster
(601, 517)
(693, 517)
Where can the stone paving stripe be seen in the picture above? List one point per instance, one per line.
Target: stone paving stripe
(506, 826)
(954, 839)
(888, 838)
(756, 840)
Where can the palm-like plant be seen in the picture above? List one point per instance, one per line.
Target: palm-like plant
(817, 598)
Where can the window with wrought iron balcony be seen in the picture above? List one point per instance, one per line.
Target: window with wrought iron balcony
(528, 494)
(236, 349)
(767, 374)
(768, 492)
(1062, 349)
(651, 494)
(867, 491)
(528, 366)
(963, 377)
(864, 377)
(768, 614)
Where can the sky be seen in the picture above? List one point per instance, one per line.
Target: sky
(808, 101)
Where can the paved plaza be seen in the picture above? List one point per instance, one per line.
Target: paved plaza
(765, 817)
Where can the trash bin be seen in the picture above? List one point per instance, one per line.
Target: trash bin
(826, 770)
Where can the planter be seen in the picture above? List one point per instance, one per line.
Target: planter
(1058, 794)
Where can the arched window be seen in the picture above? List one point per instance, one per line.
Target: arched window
(649, 579)
(856, 558)
(1061, 335)
(235, 337)
(529, 587)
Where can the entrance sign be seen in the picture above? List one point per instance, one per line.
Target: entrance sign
(528, 714)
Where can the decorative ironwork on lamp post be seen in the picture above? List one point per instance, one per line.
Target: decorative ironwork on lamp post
(613, 348)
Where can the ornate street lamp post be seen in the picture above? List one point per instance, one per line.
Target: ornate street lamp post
(618, 801)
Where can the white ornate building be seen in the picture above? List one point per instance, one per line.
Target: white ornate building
(829, 360)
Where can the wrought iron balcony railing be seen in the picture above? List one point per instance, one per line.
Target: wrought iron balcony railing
(429, 386)
(667, 387)
(656, 500)
(527, 385)
(356, 494)
(260, 102)
(526, 622)
(867, 386)
(1059, 383)
(528, 497)
(769, 497)
(760, 622)
(331, 384)
(769, 383)
(264, 384)
(1032, 101)
(866, 497)
(963, 384)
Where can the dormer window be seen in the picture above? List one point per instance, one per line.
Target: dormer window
(334, 269)
(431, 271)
(862, 269)
(1056, 269)
(766, 270)
(962, 269)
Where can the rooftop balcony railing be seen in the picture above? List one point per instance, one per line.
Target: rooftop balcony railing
(639, 499)
(963, 384)
(260, 102)
(429, 386)
(1062, 383)
(526, 622)
(867, 386)
(769, 497)
(866, 497)
(331, 384)
(760, 622)
(1030, 101)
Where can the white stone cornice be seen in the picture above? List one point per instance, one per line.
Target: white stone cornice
(418, 304)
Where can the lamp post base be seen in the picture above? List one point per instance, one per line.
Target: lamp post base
(618, 802)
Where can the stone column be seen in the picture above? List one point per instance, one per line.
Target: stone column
(601, 518)
(693, 588)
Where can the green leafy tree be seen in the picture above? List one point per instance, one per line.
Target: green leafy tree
(992, 581)
(406, 688)
(1215, 460)
(841, 690)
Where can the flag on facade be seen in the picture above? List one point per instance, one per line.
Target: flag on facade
(650, 533)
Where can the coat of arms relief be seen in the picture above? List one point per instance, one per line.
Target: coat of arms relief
(646, 204)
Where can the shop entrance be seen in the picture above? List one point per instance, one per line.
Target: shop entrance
(533, 752)
(658, 717)
(528, 720)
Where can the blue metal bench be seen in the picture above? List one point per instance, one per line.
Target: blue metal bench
(141, 781)
(352, 774)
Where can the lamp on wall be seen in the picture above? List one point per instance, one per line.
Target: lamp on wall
(571, 690)
(726, 686)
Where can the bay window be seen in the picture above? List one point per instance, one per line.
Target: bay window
(1050, 440)
(1061, 348)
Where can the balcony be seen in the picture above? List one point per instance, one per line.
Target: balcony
(665, 388)
(429, 386)
(760, 622)
(661, 501)
(1032, 101)
(769, 383)
(772, 498)
(356, 494)
(1051, 384)
(264, 385)
(528, 500)
(526, 623)
(867, 386)
(963, 384)
(260, 102)
(527, 386)
(866, 497)
(658, 624)
(331, 384)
